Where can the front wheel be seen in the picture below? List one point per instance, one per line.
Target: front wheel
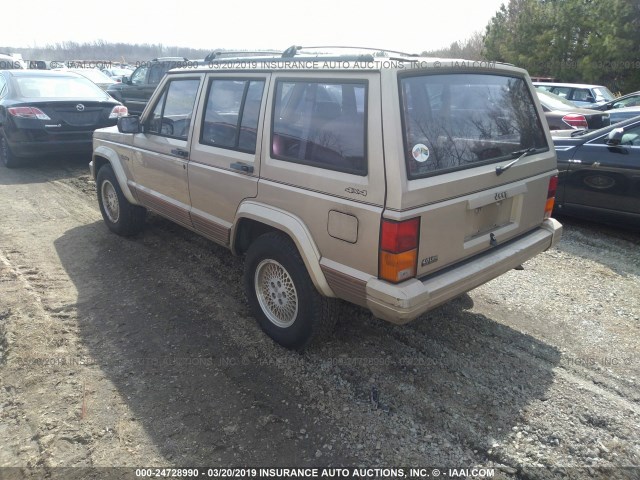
(282, 296)
(121, 216)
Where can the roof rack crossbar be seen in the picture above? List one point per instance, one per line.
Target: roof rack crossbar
(291, 51)
(216, 54)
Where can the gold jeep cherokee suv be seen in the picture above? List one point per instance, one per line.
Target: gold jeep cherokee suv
(394, 183)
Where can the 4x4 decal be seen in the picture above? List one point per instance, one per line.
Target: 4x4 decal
(356, 191)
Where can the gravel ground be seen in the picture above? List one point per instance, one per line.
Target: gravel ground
(141, 352)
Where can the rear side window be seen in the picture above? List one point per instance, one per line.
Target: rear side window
(321, 124)
(172, 114)
(157, 72)
(458, 121)
(561, 91)
(232, 113)
(582, 95)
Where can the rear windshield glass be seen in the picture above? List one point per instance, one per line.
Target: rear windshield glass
(58, 87)
(458, 121)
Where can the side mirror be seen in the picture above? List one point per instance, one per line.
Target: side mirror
(615, 137)
(130, 124)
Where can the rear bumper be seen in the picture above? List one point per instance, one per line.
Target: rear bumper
(406, 301)
(39, 149)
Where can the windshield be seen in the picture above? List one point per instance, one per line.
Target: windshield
(554, 102)
(604, 92)
(458, 121)
(58, 87)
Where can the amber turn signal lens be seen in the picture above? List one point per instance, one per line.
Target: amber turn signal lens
(548, 208)
(551, 196)
(398, 267)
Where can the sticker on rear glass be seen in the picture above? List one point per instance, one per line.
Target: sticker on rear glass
(420, 152)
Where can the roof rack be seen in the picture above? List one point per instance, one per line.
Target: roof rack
(293, 49)
(301, 58)
(218, 53)
(169, 59)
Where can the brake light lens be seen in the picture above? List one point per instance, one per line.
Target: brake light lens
(575, 120)
(551, 196)
(398, 249)
(28, 112)
(119, 111)
(399, 236)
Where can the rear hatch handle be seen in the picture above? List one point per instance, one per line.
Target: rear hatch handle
(520, 153)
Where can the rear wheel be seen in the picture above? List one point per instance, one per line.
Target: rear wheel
(282, 296)
(8, 158)
(121, 216)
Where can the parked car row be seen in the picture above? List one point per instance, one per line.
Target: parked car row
(562, 114)
(59, 129)
(581, 95)
(45, 111)
(599, 174)
(591, 97)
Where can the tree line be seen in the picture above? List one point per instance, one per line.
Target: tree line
(101, 50)
(586, 41)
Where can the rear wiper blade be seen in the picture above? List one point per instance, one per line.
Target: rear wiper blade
(520, 153)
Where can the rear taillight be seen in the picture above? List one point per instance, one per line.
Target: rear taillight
(551, 196)
(118, 111)
(28, 112)
(398, 249)
(575, 120)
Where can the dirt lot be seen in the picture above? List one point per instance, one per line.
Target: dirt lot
(141, 352)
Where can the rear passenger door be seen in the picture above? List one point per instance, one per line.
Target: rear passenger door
(161, 151)
(225, 154)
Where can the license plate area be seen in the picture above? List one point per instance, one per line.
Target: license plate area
(487, 218)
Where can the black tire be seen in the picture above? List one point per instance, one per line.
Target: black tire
(9, 160)
(120, 216)
(291, 312)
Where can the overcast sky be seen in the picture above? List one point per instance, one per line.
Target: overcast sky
(411, 26)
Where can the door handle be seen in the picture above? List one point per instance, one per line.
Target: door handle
(243, 167)
(179, 152)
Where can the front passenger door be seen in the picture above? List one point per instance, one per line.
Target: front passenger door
(161, 152)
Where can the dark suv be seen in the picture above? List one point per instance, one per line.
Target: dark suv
(136, 91)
